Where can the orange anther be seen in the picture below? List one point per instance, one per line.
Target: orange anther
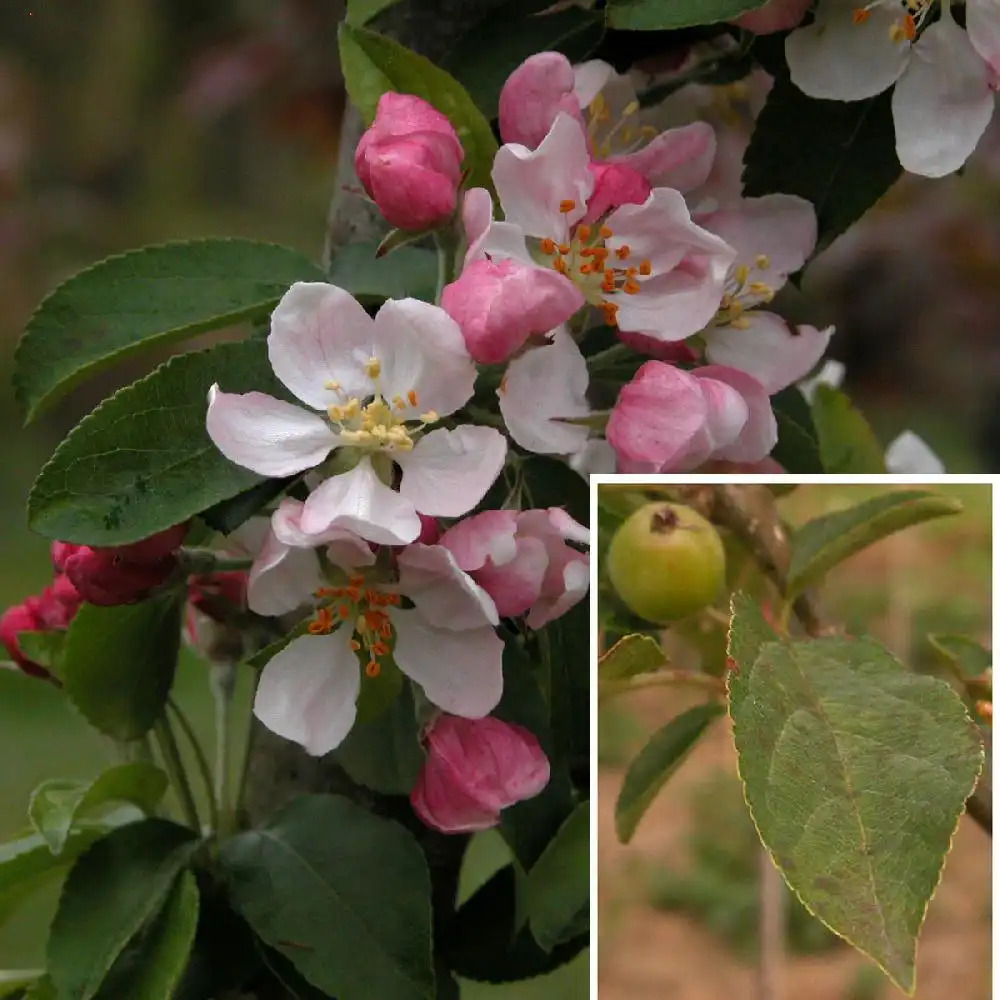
(567, 205)
(583, 234)
(548, 246)
(623, 252)
(610, 311)
(606, 232)
(413, 397)
(564, 248)
(909, 27)
(861, 14)
(646, 268)
(587, 269)
(323, 622)
(560, 265)
(380, 649)
(372, 669)
(608, 284)
(355, 645)
(632, 286)
(344, 611)
(631, 272)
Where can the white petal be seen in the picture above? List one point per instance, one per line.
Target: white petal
(576, 583)
(832, 374)
(943, 102)
(449, 471)
(477, 214)
(344, 548)
(461, 672)
(589, 79)
(308, 693)
(595, 457)
(282, 578)
(267, 435)
(770, 350)
(982, 20)
(320, 333)
(541, 386)
(359, 502)
(531, 184)
(504, 240)
(446, 596)
(909, 453)
(837, 59)
(422, 349)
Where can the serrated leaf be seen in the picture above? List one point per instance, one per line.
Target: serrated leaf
(656, 762)
(630, 656)
(839, 155)
(373, 64)
(658, 15)
(57, 804)
(342, 894)
(820, 544)
(119, 663)
(847, 444)
(143, 461)
(114, 890)
(145, 298)
(407, 272)
(856, 772)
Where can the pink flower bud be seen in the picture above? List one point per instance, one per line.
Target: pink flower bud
(615, 184)
(778, 15)
(541, 87)
(21, 618)
(410, 162)
(475, 768)
(499, 304)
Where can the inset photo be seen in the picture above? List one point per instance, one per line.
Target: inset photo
(794, 711)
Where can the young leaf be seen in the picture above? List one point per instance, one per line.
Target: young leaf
(44, 648)
(119, 663)
(373, 64)
(631, 655)
(145, 298)
(363, 11)
(142, 461)
(15, 981)
(657, 15)
(822, 543)
(656, 762)
(846, 443)
(797, 449)
(557, 889)
(407, 272)
(111, 894)
(856, 772)
(57, 804)
(342, 894)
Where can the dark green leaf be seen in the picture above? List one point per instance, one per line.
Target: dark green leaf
(363, 11)
(13, 982)
(820, 544)
(656, 762)
(550, 482)
(407, 272)
(111, 894)
(143, 461)
(44, 648)
(797, 449)
(342, 894)
(119, 663)
(227, 515)
(373, 64)
(42, 990)
(143, 298)
(261, 658)
(847, 444)
(657, 15)
(567, 657)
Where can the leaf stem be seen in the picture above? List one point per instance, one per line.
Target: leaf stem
(663, 678)
(239, 805)
(447, 254)
(222, 679)
(174, 767)
(201, 760)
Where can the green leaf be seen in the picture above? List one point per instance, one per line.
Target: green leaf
(656, 762)
(57, 804)
(143, 461)
(373, 64)
(362, 11)
(42, 990)
(856, 772)
(120, 662)
(840, 155)
(344, 895)
(44, 648)
(820, 544)
(145, 298)
(630, 656)
(227, 515)
(846, 442)
(17, 980)
(797, 449)
(111, 894)
(657, 15)
(518, 30)
(550, 482)
(969, 657)
(557, 889)
(262, 657)
(407, 272)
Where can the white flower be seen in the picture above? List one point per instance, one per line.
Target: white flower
(943, 99)
(379, 384)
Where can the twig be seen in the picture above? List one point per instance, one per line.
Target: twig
(771, 930)
(663, 678)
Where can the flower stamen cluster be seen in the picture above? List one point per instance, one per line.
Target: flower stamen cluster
(372, 629)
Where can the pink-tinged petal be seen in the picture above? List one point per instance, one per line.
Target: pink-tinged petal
(343, 547)
(593, 459)
(778, 15)
(942, 103)
(773, 237)
(516, 584)
(760, 432)
(267, 435)
(461, 672)
(839, 59)
(359, 502)
(489, 535)
(727, 415)
(540, 387)
(282, 578)
(768, 348)
(655, 418)
(982, 21)
(449, 471)
(422, 351)
(477, 214)
(499, 304)
(320, 333)
(504, 240)
(615, 184)
(533, 184)
(533, 95)
(679, 158)
(589, 79)
(445, 595)
(675, 352)
(308, 692)
(443, 804)
(910, 454)
(568, 527)
(574, 582)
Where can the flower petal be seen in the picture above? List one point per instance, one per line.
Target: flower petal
(589, 79)
(489, 535)
(308, 692)
(282, 578)
(445, 595)
(344, 548)
(679, 158)
(477, 214)
(982, 21)
(556, 601)
(760, 432)
(910, 454)
(267, 435)
(320, 333)
(727, 415)
(449, 471)
(533, 95)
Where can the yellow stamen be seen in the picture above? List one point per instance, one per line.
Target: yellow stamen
(567, 205)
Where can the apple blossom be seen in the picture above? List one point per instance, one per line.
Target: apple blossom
(944, 76)
(379, 385)
(54, 608)
(474, 769)
(410, 162)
